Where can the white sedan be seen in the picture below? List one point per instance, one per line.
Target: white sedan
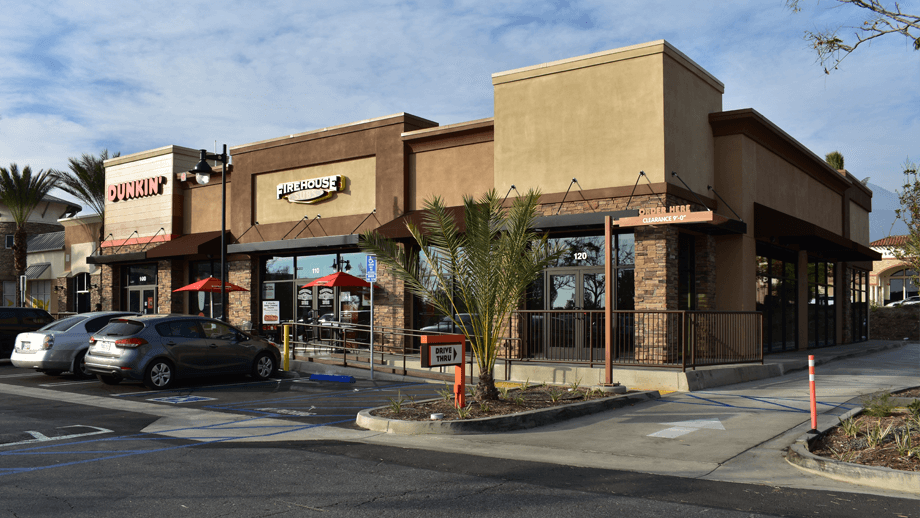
(61, 345)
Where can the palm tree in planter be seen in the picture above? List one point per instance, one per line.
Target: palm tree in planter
(484, 269)
(21, 192)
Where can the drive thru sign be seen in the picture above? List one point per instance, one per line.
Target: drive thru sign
(438, 351)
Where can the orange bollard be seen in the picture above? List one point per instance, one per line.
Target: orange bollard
(460, 380)
(814, 400)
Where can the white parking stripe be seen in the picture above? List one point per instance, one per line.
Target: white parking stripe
(62, 383)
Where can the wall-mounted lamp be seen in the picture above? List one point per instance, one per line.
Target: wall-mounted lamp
(338, 266)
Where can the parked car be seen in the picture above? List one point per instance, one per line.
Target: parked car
(445, 325)
(61, 345)
(159, 349)
(15, 320)
(909, 301)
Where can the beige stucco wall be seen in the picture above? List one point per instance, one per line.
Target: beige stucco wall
(450, 173)
(146, 215)
(859, 224)
(357, 198)
(54, 257)
(78, 254)
(689, 98)
(601, 119)
(782, 186)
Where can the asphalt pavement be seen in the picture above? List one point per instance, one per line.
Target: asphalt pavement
(729, 434)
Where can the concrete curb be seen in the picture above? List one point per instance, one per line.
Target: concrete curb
(505, 423)
(801, 457)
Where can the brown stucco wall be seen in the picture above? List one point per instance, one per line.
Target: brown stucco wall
(450, 173)
(378, 138)
(201, 206)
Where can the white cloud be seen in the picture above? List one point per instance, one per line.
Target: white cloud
(79, 77)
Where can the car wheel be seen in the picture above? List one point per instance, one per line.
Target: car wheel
(264, 367)
(51, 373)
(108, 380)
(160, 375)
(79, 367)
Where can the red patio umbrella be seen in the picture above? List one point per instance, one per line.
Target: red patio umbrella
(212, 286)
(338, 279)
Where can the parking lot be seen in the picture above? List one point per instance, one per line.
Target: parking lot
(323, 403)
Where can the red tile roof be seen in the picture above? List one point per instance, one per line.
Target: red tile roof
(890, 241)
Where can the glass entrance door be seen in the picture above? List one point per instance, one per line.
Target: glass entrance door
(570, 333)
(142, 300)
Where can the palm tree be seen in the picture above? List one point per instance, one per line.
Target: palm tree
(484, 270)
(22, 192)
(86, 182)
(835, 160)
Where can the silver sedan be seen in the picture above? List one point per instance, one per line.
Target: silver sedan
(61, 345)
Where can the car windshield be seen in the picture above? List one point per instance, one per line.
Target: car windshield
(64, 324)
(121, 327)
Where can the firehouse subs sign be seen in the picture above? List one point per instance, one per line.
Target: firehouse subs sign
(313, 190)
(136, 189)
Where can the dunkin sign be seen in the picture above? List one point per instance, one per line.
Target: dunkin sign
(136, 189)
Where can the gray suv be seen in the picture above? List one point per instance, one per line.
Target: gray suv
(158, 349)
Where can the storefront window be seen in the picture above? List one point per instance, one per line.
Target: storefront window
(776, 292)
(859, 304)
(81, 293)
(199, 302)
(279, 269)
(821, 312)
(901, 285)
(141, 274)
(580, 251)
(310, 267)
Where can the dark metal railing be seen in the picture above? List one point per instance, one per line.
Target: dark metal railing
(670, 339)
(678, 339)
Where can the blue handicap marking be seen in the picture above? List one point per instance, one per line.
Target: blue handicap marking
(331, 377)
(181, 399)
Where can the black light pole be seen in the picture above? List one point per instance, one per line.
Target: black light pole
(203, 168)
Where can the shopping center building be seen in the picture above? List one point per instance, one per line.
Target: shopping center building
(710, 209)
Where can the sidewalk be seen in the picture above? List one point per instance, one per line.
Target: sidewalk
(734, 434)
(639, 378)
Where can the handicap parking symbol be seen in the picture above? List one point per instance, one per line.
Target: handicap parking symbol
(176, 400)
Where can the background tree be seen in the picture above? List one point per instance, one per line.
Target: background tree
(909, 213)
(488, 267)
(835, 160)
(879, 20)
(21, 192)
(86, 182)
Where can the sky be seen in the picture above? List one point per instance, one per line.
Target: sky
(79, 77)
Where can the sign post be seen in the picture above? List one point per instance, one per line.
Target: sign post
(371, 277)
(445, 350)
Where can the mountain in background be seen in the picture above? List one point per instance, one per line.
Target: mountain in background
(884, 203)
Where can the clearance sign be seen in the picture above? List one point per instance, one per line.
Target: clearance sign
(674, 214)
